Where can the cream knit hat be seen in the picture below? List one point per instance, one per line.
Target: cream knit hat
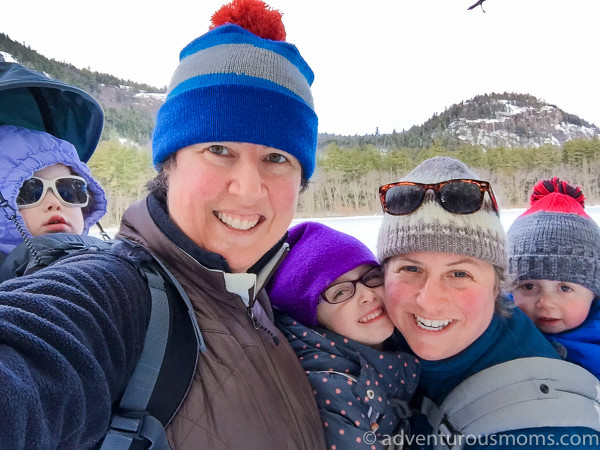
(430, 228)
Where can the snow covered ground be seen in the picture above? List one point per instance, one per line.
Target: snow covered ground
(366, 228)
(7, 57)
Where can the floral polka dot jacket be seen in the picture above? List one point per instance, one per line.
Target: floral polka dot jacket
(362, 393)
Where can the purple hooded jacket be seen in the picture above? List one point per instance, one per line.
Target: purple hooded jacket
(23, 152)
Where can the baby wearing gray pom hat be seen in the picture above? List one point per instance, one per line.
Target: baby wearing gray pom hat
(554, 263)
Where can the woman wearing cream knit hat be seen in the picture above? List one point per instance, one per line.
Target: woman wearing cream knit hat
(443, 248)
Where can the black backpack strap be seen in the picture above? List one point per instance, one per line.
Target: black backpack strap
(165, 370)
(167, 365)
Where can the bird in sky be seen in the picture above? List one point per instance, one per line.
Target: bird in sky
(475, 5)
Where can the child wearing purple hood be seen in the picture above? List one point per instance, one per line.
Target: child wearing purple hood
(47, 186)
(329, 294)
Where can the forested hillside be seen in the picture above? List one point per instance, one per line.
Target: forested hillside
(511, 139)
(129, 107)
(123, 172)
(347, 180)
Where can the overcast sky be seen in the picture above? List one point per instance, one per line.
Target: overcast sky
(390, 64)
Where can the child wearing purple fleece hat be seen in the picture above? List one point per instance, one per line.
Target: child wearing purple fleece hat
(328, 297)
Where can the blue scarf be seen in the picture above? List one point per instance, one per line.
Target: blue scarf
(581, 345)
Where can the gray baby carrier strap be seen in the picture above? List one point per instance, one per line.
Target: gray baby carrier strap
(518, 394)
(165, 369)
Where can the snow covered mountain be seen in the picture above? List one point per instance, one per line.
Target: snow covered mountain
(508, 120)
(490, 120)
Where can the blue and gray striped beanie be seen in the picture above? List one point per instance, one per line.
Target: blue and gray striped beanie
(232, 85)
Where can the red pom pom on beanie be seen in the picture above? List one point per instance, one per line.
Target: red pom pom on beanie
(254, 16)
(554, 195)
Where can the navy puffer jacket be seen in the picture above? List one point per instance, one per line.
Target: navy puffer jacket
(358, 389)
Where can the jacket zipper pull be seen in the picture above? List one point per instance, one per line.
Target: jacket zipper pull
(253, 319)
(257, 325)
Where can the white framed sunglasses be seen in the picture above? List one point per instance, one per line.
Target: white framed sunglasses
(70, 190)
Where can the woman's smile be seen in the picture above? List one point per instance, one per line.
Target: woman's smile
(238, 221)
(431, 325)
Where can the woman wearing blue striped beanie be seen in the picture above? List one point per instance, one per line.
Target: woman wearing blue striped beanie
(239, 95)
(233, 143)
(234, 85)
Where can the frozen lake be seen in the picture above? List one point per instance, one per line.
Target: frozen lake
(366, 228)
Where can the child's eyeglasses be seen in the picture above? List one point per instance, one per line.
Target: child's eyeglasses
(70, 190)
(460, 196)
(340, 292)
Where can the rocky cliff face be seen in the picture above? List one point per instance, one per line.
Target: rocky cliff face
(487, 121)
(127, 97)
(513, 121)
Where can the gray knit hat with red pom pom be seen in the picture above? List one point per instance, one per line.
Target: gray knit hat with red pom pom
(555, 239)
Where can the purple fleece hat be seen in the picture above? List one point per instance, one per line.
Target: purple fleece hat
(318, 256)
